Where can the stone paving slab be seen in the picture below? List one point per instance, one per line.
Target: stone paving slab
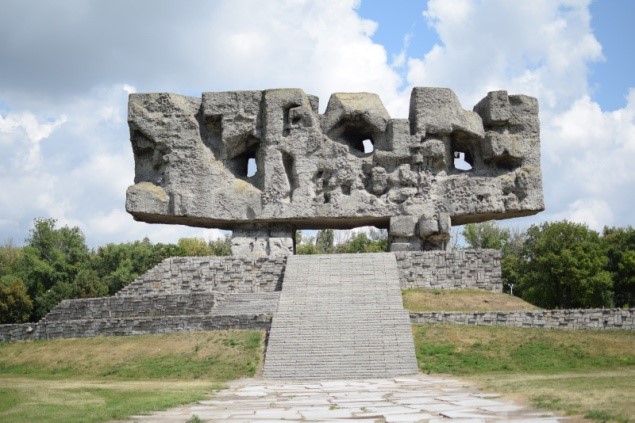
(420, 398)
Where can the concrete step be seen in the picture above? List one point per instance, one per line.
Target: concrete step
(340, 316)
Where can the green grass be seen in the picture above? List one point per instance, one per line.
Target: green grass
(217, 356)
(82, 401)
(465, 350)
(101, 379)
(584, 373)
(464, 300)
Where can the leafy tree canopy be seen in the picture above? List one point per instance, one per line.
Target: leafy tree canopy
(563, 266)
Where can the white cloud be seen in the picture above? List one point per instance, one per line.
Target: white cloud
(118, 225)
(590, 211)
(68, 70)
(590, 163)
(159, 45)
(24, 130)
(95, 56)
(541, 48)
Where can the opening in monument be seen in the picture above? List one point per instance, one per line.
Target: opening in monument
(363, 239)
(368, 146)
(356, 134)
(252, 167)
(459, 161)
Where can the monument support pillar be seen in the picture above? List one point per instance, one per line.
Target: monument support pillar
(262, 241)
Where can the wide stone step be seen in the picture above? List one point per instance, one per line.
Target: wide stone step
(340, 316)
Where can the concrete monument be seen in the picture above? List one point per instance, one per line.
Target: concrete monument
(266, 163)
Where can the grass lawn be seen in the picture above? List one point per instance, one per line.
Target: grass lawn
(420, 299)
(583, 373)
(101, 379)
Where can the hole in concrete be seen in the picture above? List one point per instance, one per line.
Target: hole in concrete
(356, 133)
(461, 161)
(287, 161)
(252, 167)
(368, 146)
(358, 139)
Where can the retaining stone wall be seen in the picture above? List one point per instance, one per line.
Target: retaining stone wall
(131, 326)
(187, 275)
(134, 307)
(456, 269)
(610, 319)
(184, 292)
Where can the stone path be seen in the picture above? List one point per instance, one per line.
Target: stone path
(340, 316)
(418, 398)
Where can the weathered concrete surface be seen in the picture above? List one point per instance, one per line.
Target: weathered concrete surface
(193, 155)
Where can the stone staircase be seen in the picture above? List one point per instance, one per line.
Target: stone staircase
(340, 317)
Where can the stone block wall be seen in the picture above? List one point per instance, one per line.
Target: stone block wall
(150, 314)
(231, 274)
(611, 319)
(134, 307)
(206, 293)
(130, 326)
(456, 269)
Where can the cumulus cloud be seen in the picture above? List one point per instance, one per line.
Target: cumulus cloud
(72, 65)
(590, 163)
(23, 128)
(543, 48)
(68, 69)
(67, 48)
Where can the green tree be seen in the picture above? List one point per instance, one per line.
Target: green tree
(195, 247)
(620, 249)
(119, 264)
(88, 285)
(48, 299)
(485, 235)
(221, 247)
(305, 244)
(564, 267)
(324, 241)
(512, 260)
(52, 256)
(10, 256)
(362, 243)
(15, 303)
(306, 249)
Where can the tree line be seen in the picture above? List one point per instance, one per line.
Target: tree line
(55, 264)
(563, 264)
(552, 265)
(324, 242)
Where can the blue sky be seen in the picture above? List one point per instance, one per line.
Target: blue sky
(67, 67)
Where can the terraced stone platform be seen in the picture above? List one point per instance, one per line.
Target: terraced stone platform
(338, 317)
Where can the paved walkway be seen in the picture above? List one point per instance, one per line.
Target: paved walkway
(418, 398)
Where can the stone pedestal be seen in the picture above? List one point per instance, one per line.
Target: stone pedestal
(262, 241)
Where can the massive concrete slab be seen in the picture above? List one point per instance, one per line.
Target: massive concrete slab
(353, 165)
